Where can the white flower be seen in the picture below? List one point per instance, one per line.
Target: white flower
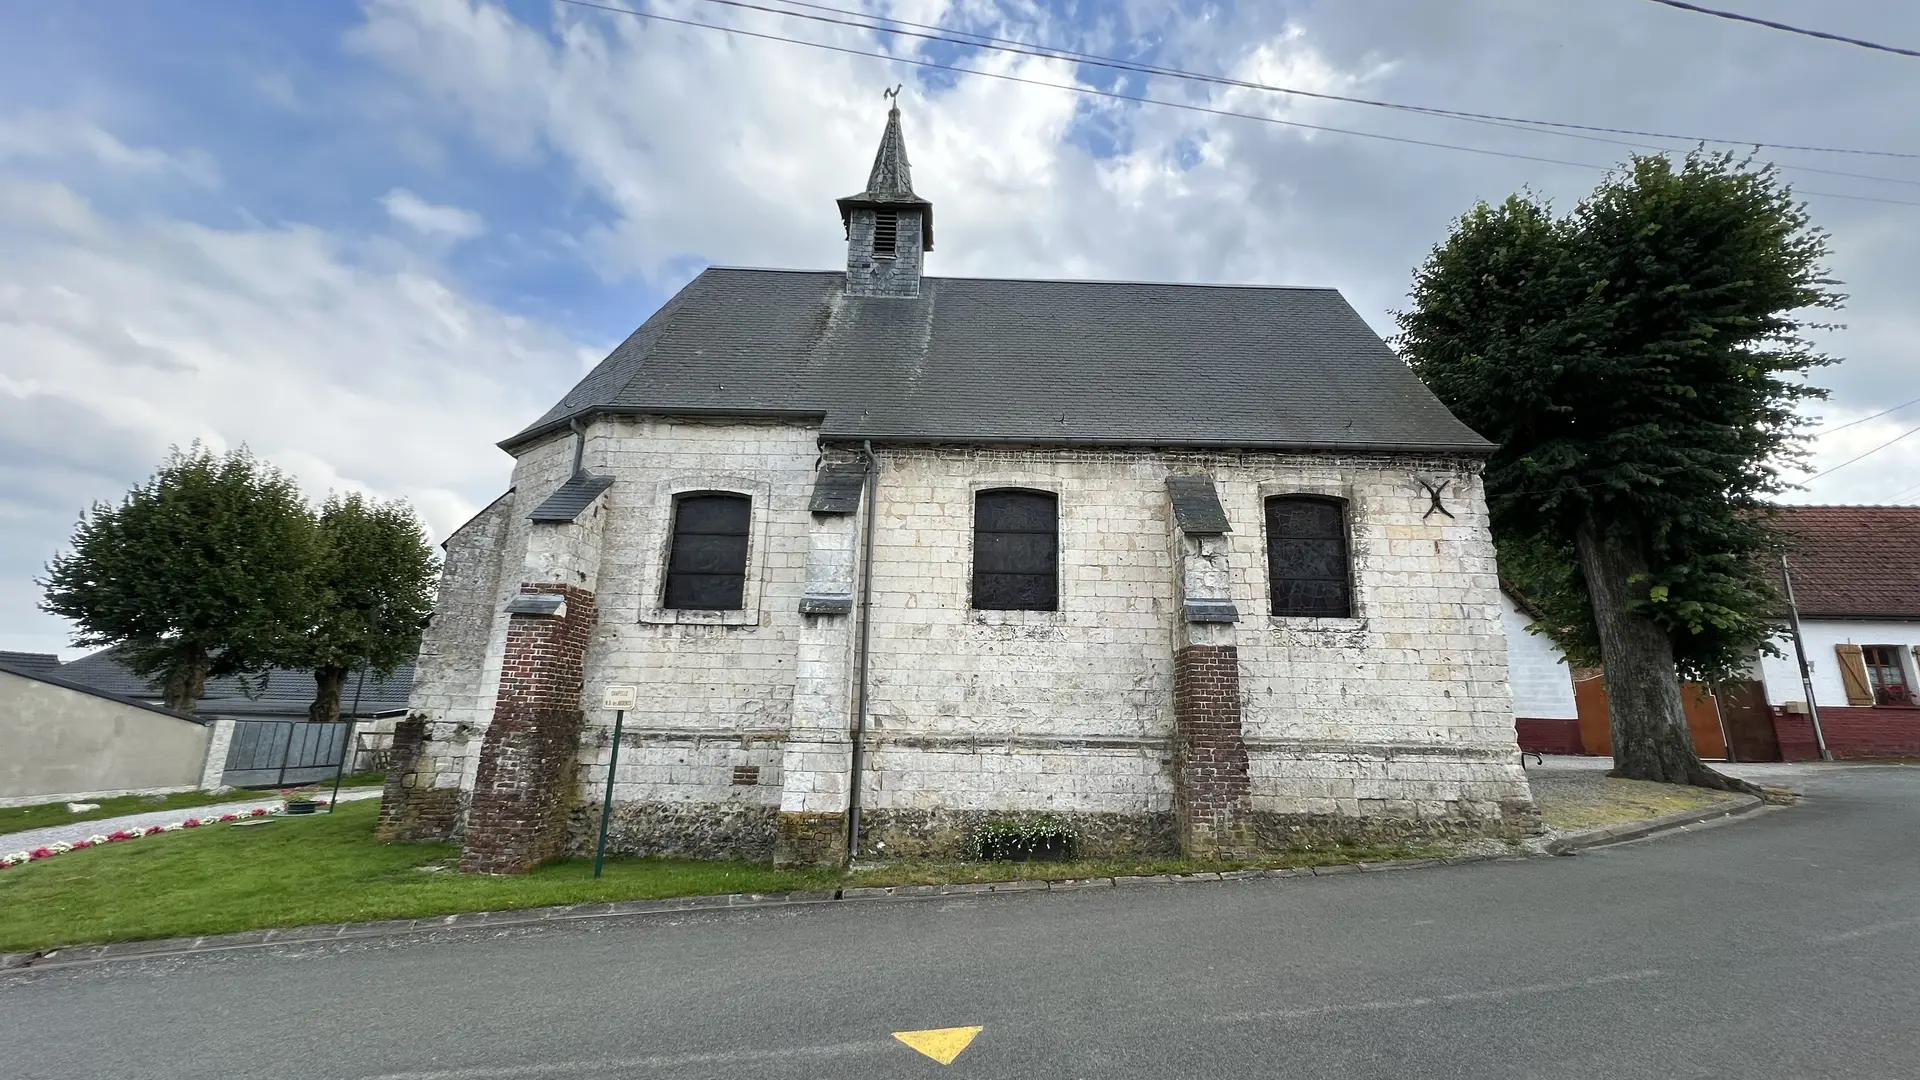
(60, 848)
(97, 838)
(175, 827)
(16, 858)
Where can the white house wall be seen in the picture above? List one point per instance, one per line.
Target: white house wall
(1782, 673)
(1538, 672)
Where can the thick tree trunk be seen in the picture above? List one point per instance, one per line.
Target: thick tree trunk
(327, 682)
(1650, 737)
(186, 679)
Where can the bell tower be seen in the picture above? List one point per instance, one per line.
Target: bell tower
(889, 228)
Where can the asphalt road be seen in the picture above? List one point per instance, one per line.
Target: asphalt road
(1782, 945)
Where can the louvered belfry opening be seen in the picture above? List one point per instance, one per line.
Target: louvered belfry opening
(1307, 557)
(886, 234)
(707, 567)
(1016, 551)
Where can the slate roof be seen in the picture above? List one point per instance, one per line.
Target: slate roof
(572, 497)
(974, 360)
(55, 676)
(28, 663)
(1854, 561)
(286, 693)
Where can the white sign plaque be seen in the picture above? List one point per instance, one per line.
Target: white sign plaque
(617, 697)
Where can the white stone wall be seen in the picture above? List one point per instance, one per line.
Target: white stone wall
(715, 690)
(1782, 673)
(1403, 709)
(1537, 670)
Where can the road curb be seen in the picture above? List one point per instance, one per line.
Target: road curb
(168, 948)
(1569, 842)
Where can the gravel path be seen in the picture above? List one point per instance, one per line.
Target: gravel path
(80, 830)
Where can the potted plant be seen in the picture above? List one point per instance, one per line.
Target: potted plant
(300, 800)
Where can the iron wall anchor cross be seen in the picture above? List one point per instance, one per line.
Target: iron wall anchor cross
(1435, 491)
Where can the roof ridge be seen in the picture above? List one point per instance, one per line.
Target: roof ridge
(1048, 281)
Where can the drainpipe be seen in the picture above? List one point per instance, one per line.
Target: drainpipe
(1800, 653)
(860, 660)
(579, 444)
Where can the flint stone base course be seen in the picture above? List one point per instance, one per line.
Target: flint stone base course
(811, 839)
(948, 834)
(743, 831)
(1287, 833)
(409, 810)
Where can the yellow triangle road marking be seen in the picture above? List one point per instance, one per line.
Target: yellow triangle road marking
(940, 1044)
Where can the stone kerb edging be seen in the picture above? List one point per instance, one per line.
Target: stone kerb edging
(1576, 839)
(572, 913)
(253, 939)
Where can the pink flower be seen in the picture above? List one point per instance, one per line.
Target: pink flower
(78, 844)
(258, 811)
(192, 823)
(40, 853)
(152, 830)
(229, 817)
(120, 834)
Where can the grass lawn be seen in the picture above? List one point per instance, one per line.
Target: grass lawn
(1586, 801)
(327, 868)
(43, 815)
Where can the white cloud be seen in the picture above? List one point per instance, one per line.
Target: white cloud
(432, 219)
(44, 136)
(123, 337)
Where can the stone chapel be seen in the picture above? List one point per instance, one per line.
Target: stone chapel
(1188, 568)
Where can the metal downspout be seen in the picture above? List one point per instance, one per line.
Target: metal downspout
(579, 445)
(860, 661)
(1800, 654)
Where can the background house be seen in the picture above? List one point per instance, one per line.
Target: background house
(1856, 578)
(255, 729)
(1544, 711)
(61, 739)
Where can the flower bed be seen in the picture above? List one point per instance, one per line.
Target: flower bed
(19, 858)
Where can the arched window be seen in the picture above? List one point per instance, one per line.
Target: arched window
(707, 567)
(1016, 551)
(1307, 557)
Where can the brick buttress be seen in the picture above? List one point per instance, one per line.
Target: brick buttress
(523, 789)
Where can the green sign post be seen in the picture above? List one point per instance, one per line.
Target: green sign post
(619, 699)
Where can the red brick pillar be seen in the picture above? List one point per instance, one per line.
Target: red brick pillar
(524, 785)
(1210, 784)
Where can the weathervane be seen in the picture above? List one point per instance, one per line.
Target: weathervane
(893, 95)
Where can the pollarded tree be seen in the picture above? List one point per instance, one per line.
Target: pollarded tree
(202, 571)
(1638, 362)
(375, 576)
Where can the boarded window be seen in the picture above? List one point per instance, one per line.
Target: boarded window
(1307, 557)
(1887, 675)
(886, 233)
(1016, 551)
(707, 569)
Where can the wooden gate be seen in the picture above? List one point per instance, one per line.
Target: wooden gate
(1743, 706)
(1596, 731)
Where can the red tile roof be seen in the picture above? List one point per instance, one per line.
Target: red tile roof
(1856, 561)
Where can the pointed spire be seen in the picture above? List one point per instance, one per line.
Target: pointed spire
(892, 176)
(890, 184)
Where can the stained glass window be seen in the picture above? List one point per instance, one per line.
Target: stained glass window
(1307, 557)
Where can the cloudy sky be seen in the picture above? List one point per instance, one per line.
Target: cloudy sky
(370, 239)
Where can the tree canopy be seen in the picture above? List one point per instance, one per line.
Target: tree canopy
(1638, 361)
(374, 575)
(201, 571)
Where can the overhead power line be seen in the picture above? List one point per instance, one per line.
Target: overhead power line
(1115, 96)
(1857, 457)
(946, 35)
(1864, 419)
(1771, 25)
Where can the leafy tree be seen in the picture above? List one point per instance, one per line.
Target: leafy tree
(202, 571)
(374, 575)
(1638, 362)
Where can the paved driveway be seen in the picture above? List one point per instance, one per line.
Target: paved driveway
(1781, 945)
